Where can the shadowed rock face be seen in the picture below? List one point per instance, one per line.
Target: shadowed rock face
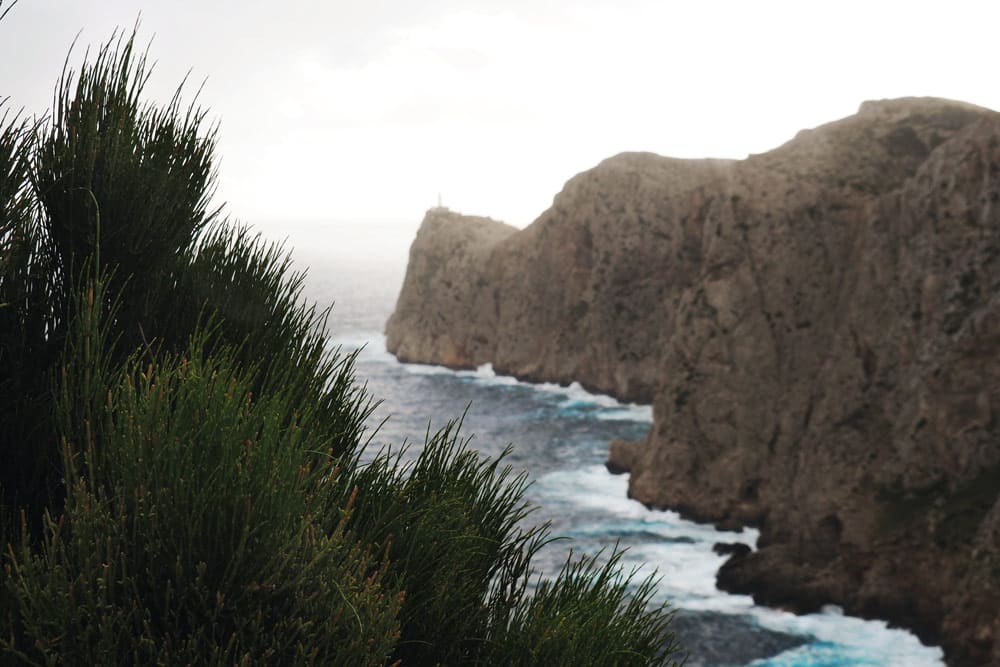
(817, 327)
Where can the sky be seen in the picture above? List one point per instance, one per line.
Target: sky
(364, 112)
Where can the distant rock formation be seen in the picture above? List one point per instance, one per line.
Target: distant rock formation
(445, 276)
(817, 327)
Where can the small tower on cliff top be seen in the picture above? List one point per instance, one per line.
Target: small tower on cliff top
(440, 206)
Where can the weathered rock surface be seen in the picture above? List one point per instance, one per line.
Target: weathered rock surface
(445, 281)
(818, 328)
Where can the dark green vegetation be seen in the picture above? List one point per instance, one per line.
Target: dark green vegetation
(180, 451)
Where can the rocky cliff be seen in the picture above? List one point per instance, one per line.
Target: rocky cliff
(817, 327)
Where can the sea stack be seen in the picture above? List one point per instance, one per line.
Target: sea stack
(817, 328)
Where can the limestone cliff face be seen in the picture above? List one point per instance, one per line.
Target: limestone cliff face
(446, 282)
(818, 328)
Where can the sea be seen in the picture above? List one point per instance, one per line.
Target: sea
(560, 436)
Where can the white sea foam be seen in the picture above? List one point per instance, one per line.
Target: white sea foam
(427, 369)
(372, 346)
(688, 569)
(486, 375)
(687, 572)
(632, 413)
(592, 486)
(845, 640)
(574, 395)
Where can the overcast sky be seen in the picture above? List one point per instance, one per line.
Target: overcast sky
(366, 110)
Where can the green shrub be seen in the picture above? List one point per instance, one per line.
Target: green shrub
(124, 180)
(589, 614)
(192, 531)
(28, 312)
(451, 525)
(184, 452)
(105, 180)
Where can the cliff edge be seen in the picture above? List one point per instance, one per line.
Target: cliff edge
(817, 328)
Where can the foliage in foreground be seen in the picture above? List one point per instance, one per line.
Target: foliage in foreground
(180, 452)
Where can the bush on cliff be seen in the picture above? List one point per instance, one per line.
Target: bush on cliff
(179, 450)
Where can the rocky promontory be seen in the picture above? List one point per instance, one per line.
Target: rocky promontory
(817, 328)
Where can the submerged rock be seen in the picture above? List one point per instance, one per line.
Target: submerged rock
(817, 328)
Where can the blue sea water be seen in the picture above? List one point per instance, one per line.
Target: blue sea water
(560, 435)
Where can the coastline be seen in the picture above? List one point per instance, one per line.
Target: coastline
(814, 326)
(657, 530)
